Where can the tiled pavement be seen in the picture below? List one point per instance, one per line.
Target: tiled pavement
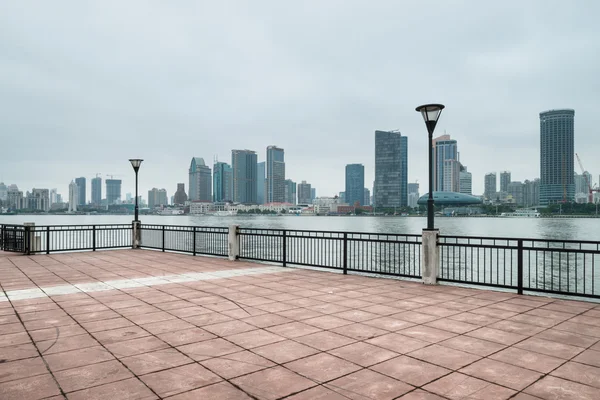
(269, 333)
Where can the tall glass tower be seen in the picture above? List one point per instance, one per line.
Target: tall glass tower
(275, 175)
(557, 156)
(244, 165)
(391, 170)
(355, 184)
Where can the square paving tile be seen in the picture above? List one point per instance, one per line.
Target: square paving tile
(450, 325)
(37, 387)
(360, 331)
(457, 386)
(136, 346)
(570, 338)
(13, 370)
(327, 322)
(217, 391)
(496, 335)
(553, 388)
(236, 364)
(209, 348)
(389, 323)
(180, 379)
(91, 375)
(411, 371)
(318, 393)
(589, 357)
(322, 367)
(119, 335)
(582, 373)
(187, 336)
(256, 338)
(77, 358)
(325, 340)
(549, 348)
(370, 385)
(126, 389)
(18, 352)
(528, 359)
(501, 373)
(363, 354)
(275, 383)
(427, 334)
(285, 351)
(293, 329)
(229, 328)
(398, 343)
(266, 320)
(155, 361)
(421, 395)
(444, 356)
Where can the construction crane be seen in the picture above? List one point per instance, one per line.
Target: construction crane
(587, 180)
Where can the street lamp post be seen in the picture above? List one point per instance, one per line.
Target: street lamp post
(135, 163)
(431, 114)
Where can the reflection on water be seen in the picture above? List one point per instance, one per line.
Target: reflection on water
(540, 228)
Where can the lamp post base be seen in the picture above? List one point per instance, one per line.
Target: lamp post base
(430, 256)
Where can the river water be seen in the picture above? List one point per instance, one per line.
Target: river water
(535, 228)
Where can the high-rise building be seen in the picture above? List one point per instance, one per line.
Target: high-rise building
(290, 192)
(366, 197)
(97, 191)
(3, 192)
(342, 197)
(113, 191)
(74, 196)
(275, 175)
(581, 183)
(222, 182)
(304, 193)
(355, 184)
(466, 181)
(531, 193)
(515, 189)
(391, 170)
(38, 199)
(81, 184)
(14, 198)
(557, 156)
(157, 198)
(200, 181)
(243, 163)
(53, 196)
(490, 186)
(313, 194)
(180, 196)
(413, 188)
(504, 181)
(261, 183)
(446, 168)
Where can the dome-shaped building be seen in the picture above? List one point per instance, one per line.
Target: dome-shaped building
(450, 199)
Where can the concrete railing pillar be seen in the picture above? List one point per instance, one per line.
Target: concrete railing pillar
(136, 234)
(430, 265)
(234, 242)
(33, 242)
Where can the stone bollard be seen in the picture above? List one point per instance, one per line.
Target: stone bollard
(430, 264)
(234, 242)
(136, 234)
(33, 242)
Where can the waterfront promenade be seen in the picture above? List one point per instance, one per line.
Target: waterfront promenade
(140, 324)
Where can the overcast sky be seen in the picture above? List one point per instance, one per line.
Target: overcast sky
(86, 85)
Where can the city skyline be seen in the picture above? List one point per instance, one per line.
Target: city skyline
(88, 102)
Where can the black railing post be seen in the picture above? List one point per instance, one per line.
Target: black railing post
(520, 266)
(163, 238)
(194, 241)
(345, 263)
(47, 240)
(93, 237)
(284, 248)
(26, 240)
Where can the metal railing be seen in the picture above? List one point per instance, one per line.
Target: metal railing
(12, 238)
(535, 265)
(60, 238)
(185, 239)
(383, 254)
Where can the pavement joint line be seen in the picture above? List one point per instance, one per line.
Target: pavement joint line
(91, 287)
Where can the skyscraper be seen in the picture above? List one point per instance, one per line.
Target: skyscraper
(73, 196)
(531, 193)
(504, 181)
(157, 198)
(366, 197)
(313, 194)
(446, 168)
(222, 182)
(81, 183)
(180, 197)
(261, 183)
(243, 163)
(97, 191)
(3, 191)
(200, 181)
(557, 141)
(490, 186)
(275, 175)
(113, 191)
(355, 184)
(466, 181)
(290, 192)
(304, 193)
(391, 170)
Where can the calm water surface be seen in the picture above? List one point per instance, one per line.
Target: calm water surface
(540, 228)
